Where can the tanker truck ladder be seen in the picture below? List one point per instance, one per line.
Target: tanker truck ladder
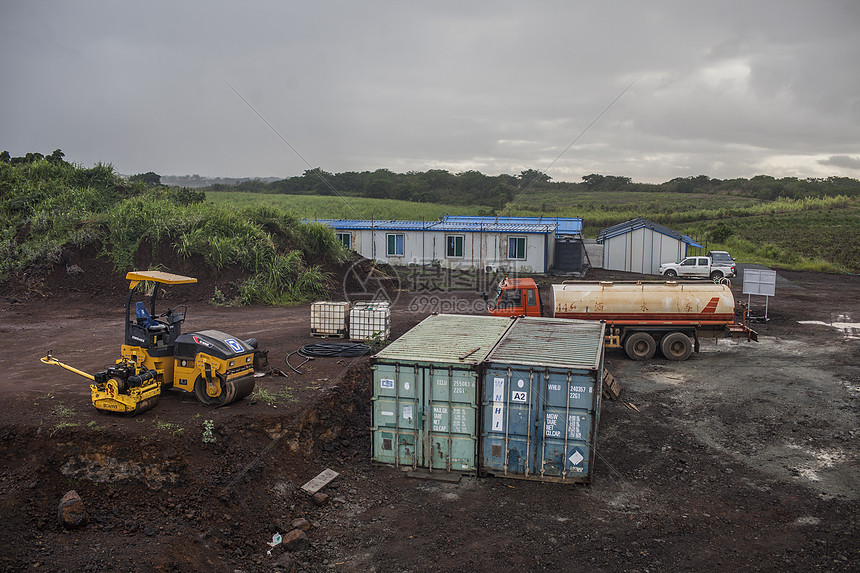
(743, 329)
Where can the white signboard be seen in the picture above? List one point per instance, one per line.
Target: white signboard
(760, 281)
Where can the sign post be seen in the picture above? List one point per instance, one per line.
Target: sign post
(760, 282)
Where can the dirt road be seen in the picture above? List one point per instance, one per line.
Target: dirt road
(744, 457)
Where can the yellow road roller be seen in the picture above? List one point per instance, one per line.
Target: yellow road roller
(217, 367)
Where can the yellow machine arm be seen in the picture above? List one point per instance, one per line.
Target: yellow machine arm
(51, 360)
(114, 394)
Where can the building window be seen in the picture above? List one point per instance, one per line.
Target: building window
(345, 239)
(395, 245)
(454, 246)
(516, 247)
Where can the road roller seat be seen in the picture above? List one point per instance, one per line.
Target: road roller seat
(145, 320)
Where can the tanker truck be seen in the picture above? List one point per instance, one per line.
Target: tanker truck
(640, 316)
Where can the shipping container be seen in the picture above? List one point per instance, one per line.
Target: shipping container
(541, 401)
(370, 321)
(329, 319)
(425, 393)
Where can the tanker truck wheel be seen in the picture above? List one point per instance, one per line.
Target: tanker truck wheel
(676, 346)
(640, 346)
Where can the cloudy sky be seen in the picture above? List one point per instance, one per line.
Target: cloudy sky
(649, 90)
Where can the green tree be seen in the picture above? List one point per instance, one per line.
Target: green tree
(533, 177)
(56, 157)
(721, 232)
(149, 179)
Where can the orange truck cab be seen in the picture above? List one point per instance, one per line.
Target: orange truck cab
(515, 297)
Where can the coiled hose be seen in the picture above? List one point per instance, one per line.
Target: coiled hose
(328, 350)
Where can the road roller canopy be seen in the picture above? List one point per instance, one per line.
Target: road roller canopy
(158, 277)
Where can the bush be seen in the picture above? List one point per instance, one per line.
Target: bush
(721, 232)
(48, 205)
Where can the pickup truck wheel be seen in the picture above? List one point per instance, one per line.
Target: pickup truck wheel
(716, 275)
(640, 346)
(676, 346)
(671, 273)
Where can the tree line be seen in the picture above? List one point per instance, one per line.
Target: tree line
(475, 188)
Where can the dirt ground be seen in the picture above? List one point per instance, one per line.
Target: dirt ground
(743, 458)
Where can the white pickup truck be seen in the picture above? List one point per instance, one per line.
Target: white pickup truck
(698, 267)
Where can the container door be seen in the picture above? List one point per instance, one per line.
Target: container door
(539, 423)
(508, 428)
(568, 403)
(397, 406)
(451, 419)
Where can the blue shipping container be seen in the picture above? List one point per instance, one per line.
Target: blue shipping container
(541, 401)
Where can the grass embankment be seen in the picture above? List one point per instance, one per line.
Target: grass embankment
(48, 206)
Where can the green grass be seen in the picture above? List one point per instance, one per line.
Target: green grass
(824, 240)
(171, 427)
(820, 234)
(328, 207)
(273, 398)
(815, 234)
(47, 208)
(63, 412)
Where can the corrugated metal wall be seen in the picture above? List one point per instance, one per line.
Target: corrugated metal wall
(641, 251)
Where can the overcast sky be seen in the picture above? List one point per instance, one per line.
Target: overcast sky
(723, 88)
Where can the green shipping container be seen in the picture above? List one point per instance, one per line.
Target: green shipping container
(425, 393)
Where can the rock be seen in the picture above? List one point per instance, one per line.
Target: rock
(320, 499)
(284, 563)
(295, 540)
(71, 512)
(202, 537)
(301, 523)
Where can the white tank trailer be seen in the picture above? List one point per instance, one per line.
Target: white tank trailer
(642, 316)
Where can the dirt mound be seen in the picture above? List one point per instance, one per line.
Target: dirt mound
(168, 496)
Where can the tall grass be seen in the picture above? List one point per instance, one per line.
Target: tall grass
(284, 281)
(48, 207)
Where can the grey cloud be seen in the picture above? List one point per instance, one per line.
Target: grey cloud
(841, 161)
(721, 88)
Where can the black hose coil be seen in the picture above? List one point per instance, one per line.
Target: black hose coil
(330, 349)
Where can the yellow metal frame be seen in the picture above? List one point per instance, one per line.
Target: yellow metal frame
(136, 277)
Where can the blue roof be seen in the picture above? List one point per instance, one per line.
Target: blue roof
(563, 225)
(388, 225)
(639, 223)
(519, 226)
